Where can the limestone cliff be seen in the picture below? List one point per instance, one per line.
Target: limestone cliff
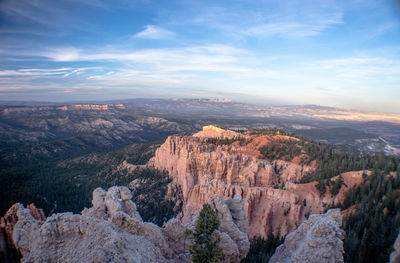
(113, 231)
(317, 240)
(271, 198)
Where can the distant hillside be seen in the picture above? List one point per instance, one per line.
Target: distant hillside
(32, 133)
(350, 130)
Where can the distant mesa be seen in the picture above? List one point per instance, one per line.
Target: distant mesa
(220, 100)
(18, 109)
(214, 131)
(92, 107)
(206, 100)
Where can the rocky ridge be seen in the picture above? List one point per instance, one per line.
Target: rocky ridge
(112, 230)
(272, 199)
(317, 240)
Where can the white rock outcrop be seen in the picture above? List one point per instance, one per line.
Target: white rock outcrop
(113, 231)
(233, 225)
(317, 240)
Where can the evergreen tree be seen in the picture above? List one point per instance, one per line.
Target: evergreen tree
(321, 187)
(205, 248)
(262, 249)
(337, 185)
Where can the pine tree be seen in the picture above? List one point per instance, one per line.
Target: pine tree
(321, 186)
(205, 248)
(337, 185)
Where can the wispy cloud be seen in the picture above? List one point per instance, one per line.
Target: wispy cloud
(154, 32)
(360, 68)
(290, 20)
(62, 54)
(34, 72)
(208, 58)
(291, 29)
(39, 73)
(47, 18)
(44, 13)
(163, 66)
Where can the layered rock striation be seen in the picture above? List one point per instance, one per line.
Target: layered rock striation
(317, 240)
(113, 231)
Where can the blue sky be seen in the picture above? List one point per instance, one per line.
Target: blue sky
(335, 53)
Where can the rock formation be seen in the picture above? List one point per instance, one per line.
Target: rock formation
(233, 226)
(395, 256)
(317, 240)
(9, 220)
(113, 231)
(272, 199)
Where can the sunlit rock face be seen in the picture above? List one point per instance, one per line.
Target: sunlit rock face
(317, 240)
(272, 199)
(212, 131)
(112, 230)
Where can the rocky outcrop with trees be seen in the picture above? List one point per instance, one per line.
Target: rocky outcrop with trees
(221, 162)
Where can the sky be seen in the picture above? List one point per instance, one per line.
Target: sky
(334, 53)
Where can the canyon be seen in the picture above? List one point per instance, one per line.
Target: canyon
(255, 193)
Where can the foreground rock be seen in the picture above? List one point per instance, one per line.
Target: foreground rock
(395, 256)
(317, 240)
(113, 231)
(7, 223)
